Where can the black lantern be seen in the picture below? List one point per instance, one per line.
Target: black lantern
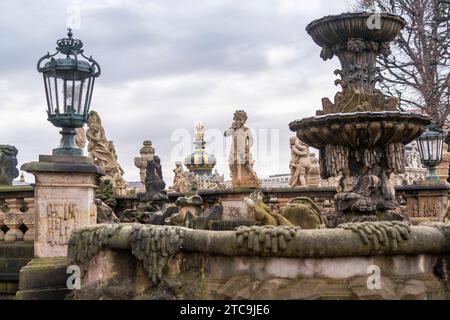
(430, 144)
(69, 83)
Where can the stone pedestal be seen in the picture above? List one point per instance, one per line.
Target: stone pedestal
(426, 202)
(64, 201)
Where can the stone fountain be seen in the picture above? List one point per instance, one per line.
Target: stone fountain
(361, 135)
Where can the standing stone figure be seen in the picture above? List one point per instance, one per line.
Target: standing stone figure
(240, 160)
(147, 153)
(104, 154)
(154, 183)
(180, 179)
(300, 164)
(8, 164)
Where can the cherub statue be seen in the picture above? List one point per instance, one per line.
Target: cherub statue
(300, 164)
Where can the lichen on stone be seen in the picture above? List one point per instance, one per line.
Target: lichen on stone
(85, 243)
(154, 245)
(380, 234)
(265, 239)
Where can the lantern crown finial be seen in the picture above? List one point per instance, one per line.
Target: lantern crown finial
(69, 45)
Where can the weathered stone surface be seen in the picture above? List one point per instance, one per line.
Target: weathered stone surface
(212, 265)
(8, 164)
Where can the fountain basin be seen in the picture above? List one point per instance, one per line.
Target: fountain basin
(360, 130)
(336, 29)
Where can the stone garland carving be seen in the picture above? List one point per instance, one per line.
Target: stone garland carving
(380, 234)
(85, 243)
(104, 154)
(154, 246)
(267, 239)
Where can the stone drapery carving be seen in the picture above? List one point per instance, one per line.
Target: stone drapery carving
(8, 164)
(147, 153)
(80, 137)
(104, 154)
(240, 160)
(300, 163)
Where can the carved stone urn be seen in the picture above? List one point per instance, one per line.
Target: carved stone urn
(361, 136)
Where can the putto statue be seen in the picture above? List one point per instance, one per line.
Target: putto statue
(180, 179)
(300, 164)
(240, 160)
(147, 153)
(104, 154)
(8, 164)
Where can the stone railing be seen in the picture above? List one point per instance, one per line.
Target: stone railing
(421, 202)
(16, 213)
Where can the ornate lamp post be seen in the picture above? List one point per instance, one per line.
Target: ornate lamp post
(69, 83)
(430, 144)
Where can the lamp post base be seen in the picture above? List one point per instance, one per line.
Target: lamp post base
(68, 146)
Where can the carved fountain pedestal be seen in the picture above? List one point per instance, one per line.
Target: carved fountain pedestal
(361, 137)
(64, 201)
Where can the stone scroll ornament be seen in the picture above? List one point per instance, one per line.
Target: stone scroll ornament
(154, 246)
(380, 234)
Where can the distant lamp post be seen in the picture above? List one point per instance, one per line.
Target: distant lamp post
(69, 83)
(430, 144)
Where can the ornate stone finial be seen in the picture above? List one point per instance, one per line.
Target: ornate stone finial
(147, 153)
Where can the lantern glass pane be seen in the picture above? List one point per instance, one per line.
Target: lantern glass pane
(75, 95)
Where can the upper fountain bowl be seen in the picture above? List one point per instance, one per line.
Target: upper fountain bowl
(336, 29)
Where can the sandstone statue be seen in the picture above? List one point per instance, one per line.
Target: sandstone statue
(240, 160)
(8, 164)
(104, 154)
(154, 183)
(180, 179)
(261, 213)
(300, 164)
(147, 153)
(303, 212)
(80, 137)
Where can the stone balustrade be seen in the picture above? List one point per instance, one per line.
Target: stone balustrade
(16, 213)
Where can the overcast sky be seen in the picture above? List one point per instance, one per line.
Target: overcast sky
(167, 65)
